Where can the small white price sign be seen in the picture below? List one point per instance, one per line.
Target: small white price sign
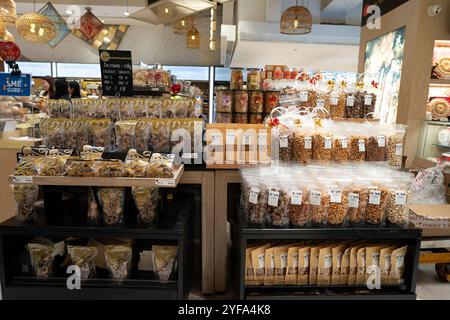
(296, 197)
(381, 141)
(350, 101)
(230, 137)
(216, 139)
(398, 149)
(368, 99)
(400, 198)
(320, 103)
(353, 200)
(335, 195)
(253, 197)
(22, 179)
(284, 142)
(314, 197)
(304, 96)
(375, 197)
(327, 142)
(308, 143)
(334, 99)
(273, 198)
(362, 146)
(344, 142)
(165, 182)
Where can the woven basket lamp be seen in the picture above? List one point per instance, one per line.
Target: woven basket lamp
(8, 37)
(8, 12)
(193, 38)
(296, 20)
(2, 29)
(183, 25)
(36, 28)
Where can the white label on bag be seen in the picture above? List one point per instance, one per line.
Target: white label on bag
(253, 197)
(308, 143)
(262, 139)
(304, 96)
(22, 179)
(320, 103)
(381, 141)
(296, 197)
(400, 261)
(216, 140)
(398, 149)
(363, 260)
(273, 198)
(314, 197)
(230, 137)
(166, 182)
(375, 197)
(272, 261)
(295, 260)
(59, 249)
(353, 200)
(335, 195)
(261, 258)
(387, 262)
(344, 142)
(334, 99)
(400, 198)
(376, 258)
(328, 261)
(246, 138)
(362, 146)
(368, 99)
(350, 101)
(327, 143)
(284, 142)
(306, 260)
(283, 258)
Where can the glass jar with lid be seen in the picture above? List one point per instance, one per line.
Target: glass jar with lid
(237, 82)
(253, 79)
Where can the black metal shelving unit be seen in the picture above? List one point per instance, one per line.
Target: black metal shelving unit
(139, 285)
(405, 234)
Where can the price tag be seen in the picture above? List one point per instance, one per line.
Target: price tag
(376, 258)
(165, 182)
(284, 142)
(306, 260)
(353, 200)
(375, 197)
(320, 103)
(308, 143)
(400, 198)
(361, 146)
(230, 138)
(350, 101)
(328, 142)
(387, 262)
(399, 149)
(381, 141)
(334, 99)
(314, 198)
(283, 258)
(253, 197)
(400, 260)
(368, 99)
(273, 198)
(304, 96)
(216, 140)
(22, 179)
(344, 142)
(296, 197)
(246, 138)
(295, 260)
(335, 195)
(262, 139)
(328, 263)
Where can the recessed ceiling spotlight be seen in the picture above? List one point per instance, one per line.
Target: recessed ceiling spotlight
(103, 21)
(126, 13)
(69, 12)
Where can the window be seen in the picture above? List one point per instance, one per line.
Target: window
(78, 70)
(189, 73)
(36, 69)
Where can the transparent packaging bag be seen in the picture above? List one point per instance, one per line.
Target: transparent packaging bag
(66, 109)
(376, 206)
(125, 135)
(357, 145)
(112, 203)
(80, 168)
(154, 108)
(135, 165)
(337, 209)
(25, 195)
(177, 108)
(118, 261)
(165, 261)
(142, 135)
(358, 197)
(108, 168)
(160, 135)
(322, 146)
(77, 111)
(277, 202)
(302, 150)
(84, 258)
(159, 167)
(337, 100)
(255, 201)
(286, 143)
(376, 144)
(53, 108)
(101, 133)
(319, 200)
(113, 108)
(100, 109)
(351, 110)
(298, 206)
(126, 109)
(41, 258)
(90, 106)
(340, 149)
(139, 108)
(397, 208)
(395, 141)
(54, 133)
(93, 212)
(146, 201)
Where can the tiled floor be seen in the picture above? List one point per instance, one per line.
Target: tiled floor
(430, 286)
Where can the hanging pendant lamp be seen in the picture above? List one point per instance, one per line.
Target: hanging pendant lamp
(35, 27)
(193, 38)
(8, 37)
(296, 20)
(183, 25)
(2, 29)
(8, 12)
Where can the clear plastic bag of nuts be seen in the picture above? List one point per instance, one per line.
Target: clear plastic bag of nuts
(319, 200)
(254, 200)
(376, 143)
(277, 201)
(125, 135)
(298, 205)
(302, 150)
(358, 197)
(397, 208)
(285, 145)
(395, 142)
(376, 205)
(322, 146)
(357, 141)
(337, 208)
(340, 150)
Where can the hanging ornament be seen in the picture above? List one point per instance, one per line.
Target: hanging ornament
(359, 85)
(343, 84)
(296, 20)
(330, 84)
(9, 51)
(62, 30)
(90, 25)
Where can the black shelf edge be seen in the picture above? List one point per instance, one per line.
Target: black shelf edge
(381, 296)
(324, 287)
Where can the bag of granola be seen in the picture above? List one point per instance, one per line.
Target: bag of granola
(280, 253)
(292, 266)
(397, 265)
(325, 265)
(385, 263)
(258, 262)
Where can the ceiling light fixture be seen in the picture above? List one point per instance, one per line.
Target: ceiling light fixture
(212, 29)
(126, 13)
(183, 25)
(193, 38)
(69, 12)
(296, 20)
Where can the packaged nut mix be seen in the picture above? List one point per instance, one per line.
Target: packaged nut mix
(397, 265)
(376, 148)
(397, 208)
(153, 107)
(159, 167)
(376, 206)
(237, 82)
(322, 146)
(53, 132)
(135, 164)
(351, 109)
(53, 108)
(112, 204)
(240, 101)
(224, 100)
(353, 264)
(269, 270)
(256, 204)
(160, 135)
(286, 145)
(271, 101)
(258, 261)
(345, 266)
(298, 208)
(385, 263)
(253, 79)
(368, 101)
(224, 117)
(146, 201)
(126, 109)
(337, 208)
(99, 107)
(319, 200)
(340, 148)
(361, 266)
(142, 135)
(113, 108)
(125, 134)
(256, 104)
(313, 265)
(292, 266)
(357, 148)
(325, 266)
(277, 214)
(281, 255)
(139, 108)
(101, 133)
(54, 164)
(358, 197)
(337, 253)
(303, 147)
(395, 146)
(303, 266)
(93, 212)
(336, 101)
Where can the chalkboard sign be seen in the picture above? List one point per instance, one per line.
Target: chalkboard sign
(117, 73)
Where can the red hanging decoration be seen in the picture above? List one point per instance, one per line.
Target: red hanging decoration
(9, 51)
(90, 25)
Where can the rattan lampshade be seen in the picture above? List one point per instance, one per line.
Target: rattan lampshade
(296, 20)
(193, 38)
(36, 28)
(8, 37)
(8, 11)
(183, 25)
(2, 29)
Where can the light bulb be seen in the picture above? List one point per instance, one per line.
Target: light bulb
(41, 32)
(183, 23)
(295, 23)
(166, 10)
(126, 13)
(32, 28)
(193, 37)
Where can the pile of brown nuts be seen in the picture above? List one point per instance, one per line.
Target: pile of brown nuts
(356, 215)
(395, 150)
(318, 212)
(354, 148)
(337, 211)
(300, 152)
(285, 152)
(397, 213)
(340, 148)
(320, 153)
(373, 151)
(299, 213)
(375, 212)
(278, 215)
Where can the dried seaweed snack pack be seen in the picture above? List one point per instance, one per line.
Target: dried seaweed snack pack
(146, 201)
(303, 265)
(160, 135)
(397, 265)
(41, 258)
(54, 108)
(125, 135)
(258, 262)
(112, 202)
(292, 266)
(101, 133)
(25, 196)
(118, 261)
(84, 258)
(165, 258)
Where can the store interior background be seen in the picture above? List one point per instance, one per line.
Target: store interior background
(248, 36)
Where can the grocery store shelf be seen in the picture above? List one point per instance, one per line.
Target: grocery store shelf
(440, 82)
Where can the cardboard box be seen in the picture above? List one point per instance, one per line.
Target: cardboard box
(433, 219)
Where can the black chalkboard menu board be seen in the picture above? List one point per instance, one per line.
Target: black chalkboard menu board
(117, 73)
